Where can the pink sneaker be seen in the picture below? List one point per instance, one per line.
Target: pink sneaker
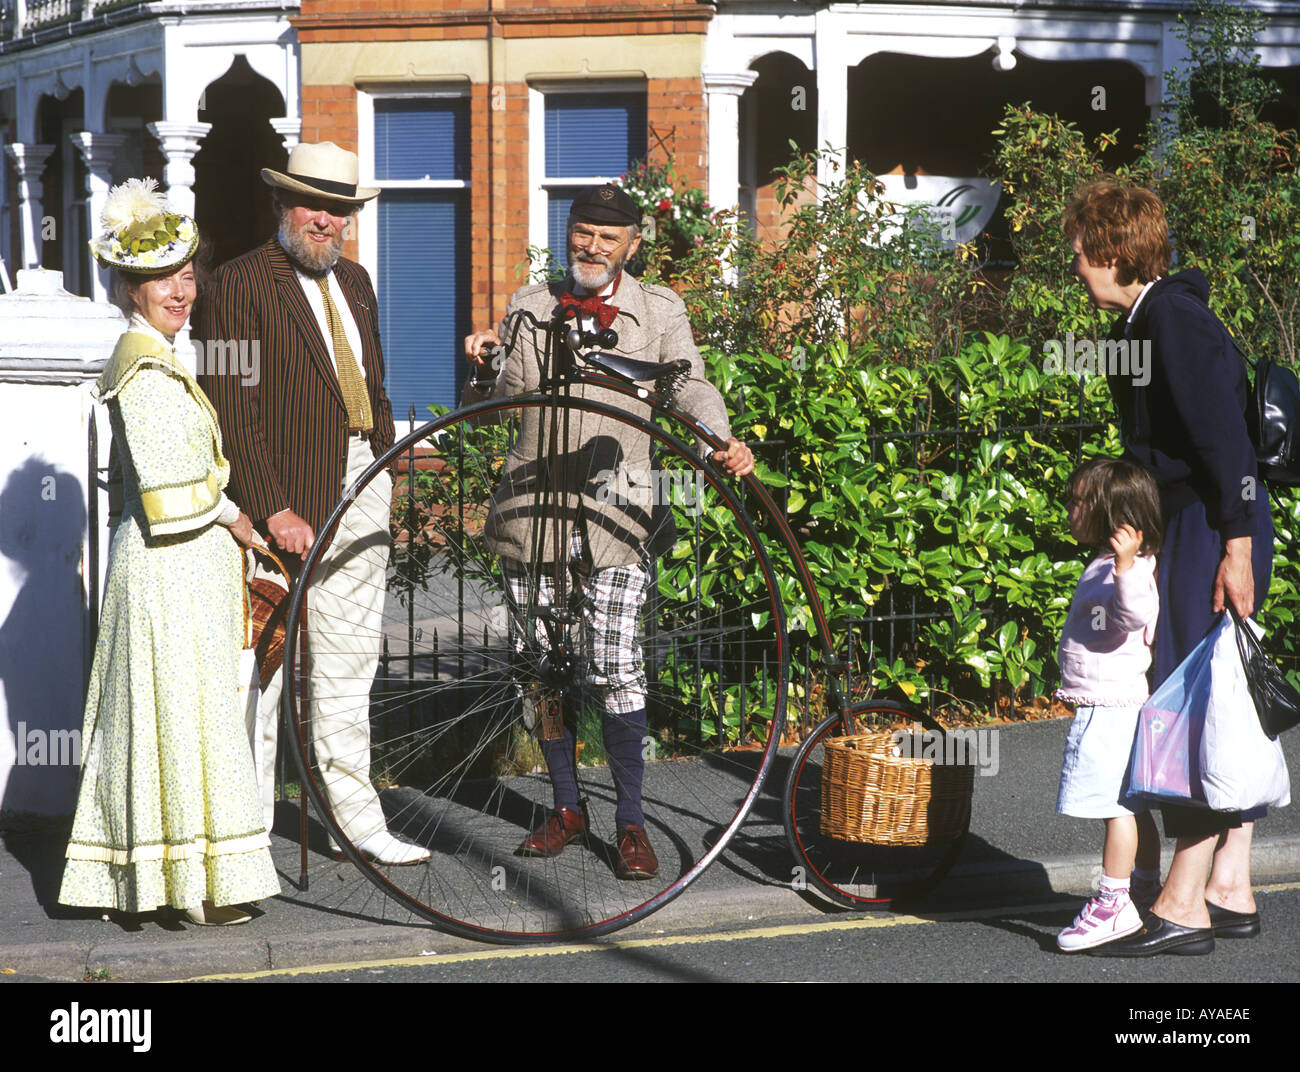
(1102, 920)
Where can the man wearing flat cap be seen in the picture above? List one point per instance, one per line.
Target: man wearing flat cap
(612, 562)
(314, 417)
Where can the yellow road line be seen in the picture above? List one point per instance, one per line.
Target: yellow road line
(517, 952)
(788, 930)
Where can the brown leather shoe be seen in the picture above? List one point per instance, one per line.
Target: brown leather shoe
(560, 827)
(636, 859)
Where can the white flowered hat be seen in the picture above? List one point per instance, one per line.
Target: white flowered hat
(141, 233)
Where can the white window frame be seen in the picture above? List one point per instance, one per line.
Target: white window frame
(541, 184)
(368, 232)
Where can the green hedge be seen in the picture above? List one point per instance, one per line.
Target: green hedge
(945, 482)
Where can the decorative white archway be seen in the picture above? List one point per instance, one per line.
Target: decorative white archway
(831, 40)
(181, 48)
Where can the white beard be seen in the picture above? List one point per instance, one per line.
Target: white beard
(312, 258)
(594, 277)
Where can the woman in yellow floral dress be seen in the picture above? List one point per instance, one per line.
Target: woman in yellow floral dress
(168, 811)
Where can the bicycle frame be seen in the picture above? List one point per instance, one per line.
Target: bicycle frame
(566, 372)
(569, 373)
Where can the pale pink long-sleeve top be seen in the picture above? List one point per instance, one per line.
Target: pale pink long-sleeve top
(1105, 649)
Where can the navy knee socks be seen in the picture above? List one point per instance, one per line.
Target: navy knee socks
(624, 736)
(563, 771)
(623, 743)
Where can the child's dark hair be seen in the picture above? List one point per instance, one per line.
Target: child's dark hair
(1115, 492)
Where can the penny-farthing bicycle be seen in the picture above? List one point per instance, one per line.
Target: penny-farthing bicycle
(485, 663)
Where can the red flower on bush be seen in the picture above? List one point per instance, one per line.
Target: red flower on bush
(664, 205)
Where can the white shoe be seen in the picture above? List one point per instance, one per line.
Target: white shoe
(1102, 920)
(209, 915)
(383, 848)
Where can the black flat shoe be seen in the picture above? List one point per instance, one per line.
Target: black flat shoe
(1159, 936)
(1229, 924)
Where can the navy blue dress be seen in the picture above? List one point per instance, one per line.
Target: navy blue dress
(1187, 424)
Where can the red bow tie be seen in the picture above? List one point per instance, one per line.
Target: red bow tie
(596, 306)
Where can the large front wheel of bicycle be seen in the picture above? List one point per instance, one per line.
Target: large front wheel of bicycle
(445, 667)
(856, 871)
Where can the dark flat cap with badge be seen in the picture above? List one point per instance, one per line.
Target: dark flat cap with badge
(605, 204)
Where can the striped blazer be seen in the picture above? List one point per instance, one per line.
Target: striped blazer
(284, 428)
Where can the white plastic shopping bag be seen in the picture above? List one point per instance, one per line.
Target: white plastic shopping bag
(1240, 767)
(1198, 739)
(1166, 750)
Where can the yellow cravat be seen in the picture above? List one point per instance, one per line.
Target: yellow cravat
(351, 382)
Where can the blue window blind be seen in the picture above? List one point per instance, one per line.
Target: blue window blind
(419, 139)
(423, 296)
(557, 220)
(595, 134)
(588, 135)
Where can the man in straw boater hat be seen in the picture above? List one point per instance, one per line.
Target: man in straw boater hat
(313, 418)
(612, 560)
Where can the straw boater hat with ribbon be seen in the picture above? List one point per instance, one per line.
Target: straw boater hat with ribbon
(140, 232)
(321, 170)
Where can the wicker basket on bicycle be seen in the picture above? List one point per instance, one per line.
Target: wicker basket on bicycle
(878, 788)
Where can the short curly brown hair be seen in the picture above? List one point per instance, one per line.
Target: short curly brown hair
(1123, 223)
(1115, 492)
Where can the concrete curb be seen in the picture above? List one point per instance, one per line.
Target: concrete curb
(1270, 858)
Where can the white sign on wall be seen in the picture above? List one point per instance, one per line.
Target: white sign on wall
(960, 208)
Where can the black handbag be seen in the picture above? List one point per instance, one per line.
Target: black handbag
(1276, 702)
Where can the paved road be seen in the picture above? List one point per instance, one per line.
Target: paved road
(1220, 999)
(998, 944)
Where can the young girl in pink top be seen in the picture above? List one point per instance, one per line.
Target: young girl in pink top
(1104, 656)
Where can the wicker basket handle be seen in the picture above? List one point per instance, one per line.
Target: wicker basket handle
(261, 547)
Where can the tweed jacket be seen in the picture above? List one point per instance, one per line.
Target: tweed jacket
(285, 432)
(601, 455)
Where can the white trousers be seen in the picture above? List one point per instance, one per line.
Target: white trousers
(345, 612)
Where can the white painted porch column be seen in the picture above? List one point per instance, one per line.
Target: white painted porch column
(724, 89)
(290, 131)
(832, 95)
(179, 141)
(7, 259)
(1173, 54)
(29, 165)
(99, 152)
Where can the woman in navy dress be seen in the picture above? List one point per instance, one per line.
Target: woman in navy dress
(1181, 393)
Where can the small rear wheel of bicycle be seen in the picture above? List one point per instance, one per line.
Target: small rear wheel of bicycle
(479, 660)
(857, 873)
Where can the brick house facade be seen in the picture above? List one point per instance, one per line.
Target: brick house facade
(502, 65)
